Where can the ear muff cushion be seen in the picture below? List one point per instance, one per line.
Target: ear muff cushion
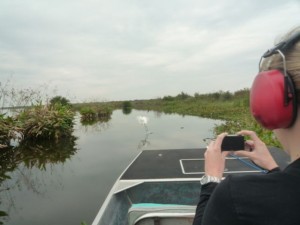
(267, 100)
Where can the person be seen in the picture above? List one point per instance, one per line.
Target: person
(274, 197)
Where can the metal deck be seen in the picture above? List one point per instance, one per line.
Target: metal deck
(185, 163)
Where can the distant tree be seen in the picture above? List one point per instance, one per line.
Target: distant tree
(127, 104)
(197, 95)
(183, 96)
(127, 107)
(242, 93)
(216, 95)
(168, 98)
(59, 100)
(226, 95)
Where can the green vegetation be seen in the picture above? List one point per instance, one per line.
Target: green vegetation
(94, 112)
(88, 114)
(35, 122)
(127, 107)
(46, 122)
(7, 130)
(32, 134)
(232, 108)
(59, 100)
(56, 120)
(3, 214)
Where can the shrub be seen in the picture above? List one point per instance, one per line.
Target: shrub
(127, 104)
(168, 98)
(94, 112)
(182, 96)
(88, 113)
(45, 122)
(59, 100)
(104, 112)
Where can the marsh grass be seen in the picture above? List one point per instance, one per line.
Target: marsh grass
(24, 115)
(37, 123)
(46, 122)
(232, 108)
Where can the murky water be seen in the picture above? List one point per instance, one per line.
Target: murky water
(66, 183)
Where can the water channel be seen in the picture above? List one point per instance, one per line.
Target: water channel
(66, 183)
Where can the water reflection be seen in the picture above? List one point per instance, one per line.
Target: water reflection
(19, 166)
(126, 110)
(144, 142)
(66, 183)
(92, 121)
(96, 125)
(143, 120)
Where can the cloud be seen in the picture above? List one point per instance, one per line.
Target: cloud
(138, 49)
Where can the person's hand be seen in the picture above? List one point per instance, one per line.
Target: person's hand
(214, 158)
(257, 151)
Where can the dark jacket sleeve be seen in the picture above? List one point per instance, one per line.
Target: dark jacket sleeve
(220, 209)
(218, 203)
(206, 191)
(276, 169)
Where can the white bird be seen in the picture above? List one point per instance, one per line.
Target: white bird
(142, 120)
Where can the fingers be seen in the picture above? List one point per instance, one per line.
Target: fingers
(219, 139)
(249, 142)
(212, 143)
(225, 153)
(250, 133)
(216, 144)
(243, 153)
(249, 145)
(214, 163)
(255, 150)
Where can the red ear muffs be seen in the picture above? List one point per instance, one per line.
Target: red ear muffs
(272, 100)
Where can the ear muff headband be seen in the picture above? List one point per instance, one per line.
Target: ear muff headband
(283, 46)
(273, 100)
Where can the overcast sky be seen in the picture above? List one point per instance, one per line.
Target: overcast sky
(138, 49)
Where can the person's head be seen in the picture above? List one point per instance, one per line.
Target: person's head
(292, 58)
(276, 89)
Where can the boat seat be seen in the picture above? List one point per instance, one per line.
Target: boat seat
(161, 214)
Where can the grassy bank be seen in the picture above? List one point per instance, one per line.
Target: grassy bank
(233, 108)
